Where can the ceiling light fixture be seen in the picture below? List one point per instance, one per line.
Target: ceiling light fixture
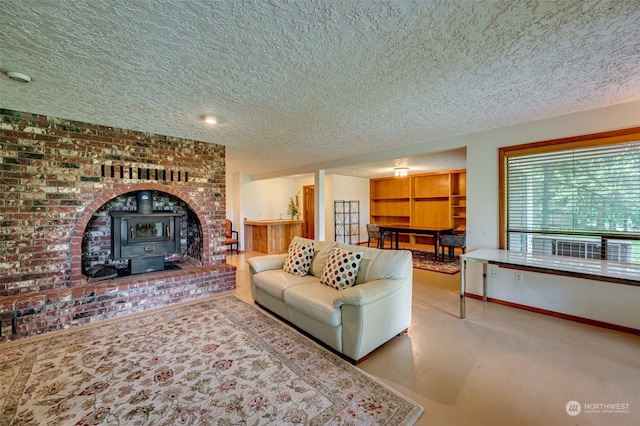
(209, 119)
(400, 171)
(17, 76)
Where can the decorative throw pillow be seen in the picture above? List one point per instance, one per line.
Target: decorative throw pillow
(341, 269)
(298, 259)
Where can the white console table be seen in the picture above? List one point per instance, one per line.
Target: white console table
(600, 270)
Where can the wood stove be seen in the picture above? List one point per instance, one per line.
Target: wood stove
(145, 236)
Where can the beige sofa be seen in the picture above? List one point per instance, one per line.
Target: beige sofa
(353, 321)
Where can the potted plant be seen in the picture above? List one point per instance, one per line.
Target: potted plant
(294, 207)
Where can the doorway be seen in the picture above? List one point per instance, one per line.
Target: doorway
(308, 210)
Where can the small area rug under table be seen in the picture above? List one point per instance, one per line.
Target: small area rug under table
(425, 259)
(219, 361)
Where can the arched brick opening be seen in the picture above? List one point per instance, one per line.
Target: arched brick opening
(107, 195)
(43, 287)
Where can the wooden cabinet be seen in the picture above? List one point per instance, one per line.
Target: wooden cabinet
(424, 200)
(390, 200)
(430, 200)
(270, 236)
(429, 186)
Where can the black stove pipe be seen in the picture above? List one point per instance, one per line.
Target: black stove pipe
(145, 202)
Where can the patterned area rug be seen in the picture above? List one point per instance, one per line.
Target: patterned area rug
(424, 259)
(221, 361)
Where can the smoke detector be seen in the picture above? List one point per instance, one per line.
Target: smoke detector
(17, 76)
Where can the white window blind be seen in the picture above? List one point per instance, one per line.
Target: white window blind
(582, 202)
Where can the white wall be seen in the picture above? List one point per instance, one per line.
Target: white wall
(597, 300)
(258, 200)
(612, 303)
(269, 199)
(482, 166)
(233, 189)
(350, 189)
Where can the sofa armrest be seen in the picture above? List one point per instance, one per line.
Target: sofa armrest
(366, 293)
(266, 263)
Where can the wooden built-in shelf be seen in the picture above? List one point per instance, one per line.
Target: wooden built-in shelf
(430, 199)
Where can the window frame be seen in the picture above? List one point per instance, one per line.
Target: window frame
(562, 144)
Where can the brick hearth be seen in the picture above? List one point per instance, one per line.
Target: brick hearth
(53, 310)
(59, 179)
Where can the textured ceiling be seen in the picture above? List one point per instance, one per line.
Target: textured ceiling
(309, 82)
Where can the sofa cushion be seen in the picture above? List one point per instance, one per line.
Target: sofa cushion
(320, 255)
(391, 264)
(276, 281)
(316, 301)
(341, 268)
(368, 254)
(379, 264)
(298, 258)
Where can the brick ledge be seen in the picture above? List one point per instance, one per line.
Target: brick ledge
(53, 310)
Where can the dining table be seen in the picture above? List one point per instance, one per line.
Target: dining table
(434, 231)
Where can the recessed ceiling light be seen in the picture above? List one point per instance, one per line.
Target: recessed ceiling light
(209, 119)
(17, 76)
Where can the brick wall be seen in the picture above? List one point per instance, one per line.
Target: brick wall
(56, 177)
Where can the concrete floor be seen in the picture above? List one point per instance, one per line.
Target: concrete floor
(501, 366)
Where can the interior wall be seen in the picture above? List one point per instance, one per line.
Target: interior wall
(351, 189)
(269, 199)
(596, 300)
(265, 200)
(482, 166)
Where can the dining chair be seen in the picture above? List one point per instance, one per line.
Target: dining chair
(453, 240)
(373, 232)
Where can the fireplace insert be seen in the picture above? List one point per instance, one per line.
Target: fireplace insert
(144, 237)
